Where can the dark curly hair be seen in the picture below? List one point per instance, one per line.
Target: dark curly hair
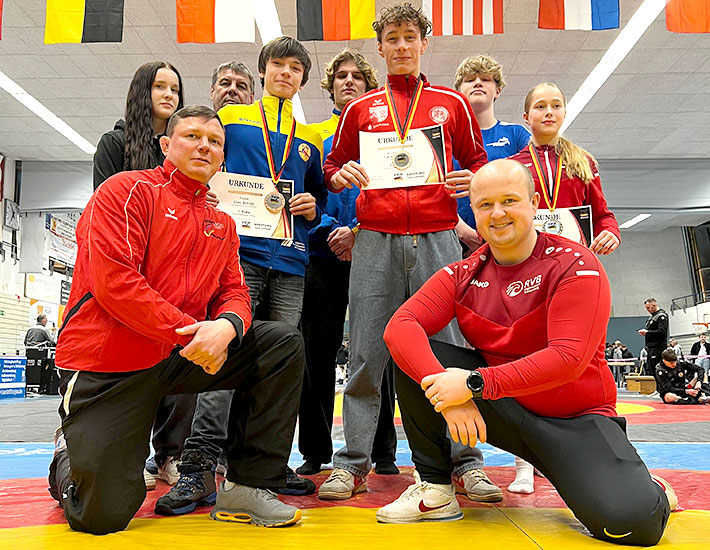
(401, 13)
(138, 153)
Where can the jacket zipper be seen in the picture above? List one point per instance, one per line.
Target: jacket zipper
(192, 247)
(407, 191)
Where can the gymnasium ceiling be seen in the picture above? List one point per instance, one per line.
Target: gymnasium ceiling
(651, 116)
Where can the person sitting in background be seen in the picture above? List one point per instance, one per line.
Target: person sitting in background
(38, 335)
(701, 349)
(681, 382)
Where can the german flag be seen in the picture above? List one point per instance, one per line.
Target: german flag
(335, 19)
(76, 21)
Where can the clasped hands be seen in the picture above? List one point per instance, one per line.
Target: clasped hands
(450, 395)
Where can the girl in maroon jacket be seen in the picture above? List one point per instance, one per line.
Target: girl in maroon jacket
(565, 174)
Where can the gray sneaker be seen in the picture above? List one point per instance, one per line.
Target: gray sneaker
(243, 504)
(477, 487)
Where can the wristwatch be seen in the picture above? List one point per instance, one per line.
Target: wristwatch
(475, 384)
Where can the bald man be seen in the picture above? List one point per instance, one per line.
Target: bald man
(535, 307)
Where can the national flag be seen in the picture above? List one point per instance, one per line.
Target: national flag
(335, 19)
(213, 21)
(459, 17)
(0, 19)
(74, 21)
(688, 15)
(587, 15)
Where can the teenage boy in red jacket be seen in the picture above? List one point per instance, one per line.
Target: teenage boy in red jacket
(406, 233)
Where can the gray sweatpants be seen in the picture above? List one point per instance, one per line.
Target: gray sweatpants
(386, 270)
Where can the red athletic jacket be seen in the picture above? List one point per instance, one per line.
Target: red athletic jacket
(153, 257)
(573, 191)
(540, 325)
(423, 209)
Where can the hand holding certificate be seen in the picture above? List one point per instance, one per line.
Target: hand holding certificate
(259, 208)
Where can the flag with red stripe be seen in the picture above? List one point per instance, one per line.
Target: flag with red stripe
(588, 15)
(335, 19)
(0, 19)
(214, 21)
(688, 15)
(464, 17)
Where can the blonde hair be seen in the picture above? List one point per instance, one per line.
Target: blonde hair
(367, 70)
(480, 65)
(577, 161)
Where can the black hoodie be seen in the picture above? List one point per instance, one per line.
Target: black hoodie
(109, 158)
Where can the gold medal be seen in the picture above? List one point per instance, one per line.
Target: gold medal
(274, 202)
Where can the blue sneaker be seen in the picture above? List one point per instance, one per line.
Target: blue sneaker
(193, 489)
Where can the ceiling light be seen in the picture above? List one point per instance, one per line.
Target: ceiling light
(640, 21)
(633, 221)
(16, 91)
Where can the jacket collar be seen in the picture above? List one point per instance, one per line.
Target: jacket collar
(272, 104)
(181, 184)
(405, 83)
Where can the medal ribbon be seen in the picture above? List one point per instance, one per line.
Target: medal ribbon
(275, 177)
(411, 109)
(544, 183)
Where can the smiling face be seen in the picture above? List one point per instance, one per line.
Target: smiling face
(195, 147)
(504, 209)
(481, 90)
(401, 47)
(231, 88)
(164, 93)
(545, 111)
(282, 77)
(348, 83)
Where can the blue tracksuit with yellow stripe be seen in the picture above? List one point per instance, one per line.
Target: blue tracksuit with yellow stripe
(245, 153)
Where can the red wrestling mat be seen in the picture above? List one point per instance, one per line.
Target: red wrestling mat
(653, 411)
(26, 502)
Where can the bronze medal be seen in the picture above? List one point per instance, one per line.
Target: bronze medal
(552, 226)
(402, 160)
(274, 202)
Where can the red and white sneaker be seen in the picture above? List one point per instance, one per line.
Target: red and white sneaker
(422, 501)
(341, 485)
(670, 493)
(477, 487)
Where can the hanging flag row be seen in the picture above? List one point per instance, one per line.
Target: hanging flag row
(214, 21)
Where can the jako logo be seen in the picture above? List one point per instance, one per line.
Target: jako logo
(480, 284)
(514, 289)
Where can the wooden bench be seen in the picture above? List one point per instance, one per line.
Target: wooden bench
(640, 384)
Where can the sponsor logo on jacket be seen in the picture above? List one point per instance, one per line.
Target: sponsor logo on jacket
(214, 229)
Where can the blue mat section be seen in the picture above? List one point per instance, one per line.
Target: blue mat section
(31, 460)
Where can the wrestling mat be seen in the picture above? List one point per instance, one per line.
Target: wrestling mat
(30, 519)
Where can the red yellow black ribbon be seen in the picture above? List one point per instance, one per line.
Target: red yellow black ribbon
(275, 176)
(403, 130)
(542, 177)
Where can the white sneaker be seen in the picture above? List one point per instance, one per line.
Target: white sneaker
(341, 485)
(149, 480)
(168, 471)
(422, 502)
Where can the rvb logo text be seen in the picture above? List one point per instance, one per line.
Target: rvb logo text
(530, 285)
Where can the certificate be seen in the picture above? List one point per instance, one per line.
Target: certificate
(389, 163)
(259, 208)
(575, 223)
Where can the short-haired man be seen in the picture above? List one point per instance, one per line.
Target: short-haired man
(522, 301)
(655, 334)
(681, 382)
(232, 84)
(155, 262)
(480, 80)
(262, 139)
(405, 234)
(38, 335)
(348, 75)
(701, 351)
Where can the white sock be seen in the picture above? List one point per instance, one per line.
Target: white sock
(229, 485)
(524, 481)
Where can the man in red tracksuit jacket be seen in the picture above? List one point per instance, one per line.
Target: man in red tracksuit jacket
(406, 234)
(535, 308)
(159, 306)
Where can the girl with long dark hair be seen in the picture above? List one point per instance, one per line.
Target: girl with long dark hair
(154, 94)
